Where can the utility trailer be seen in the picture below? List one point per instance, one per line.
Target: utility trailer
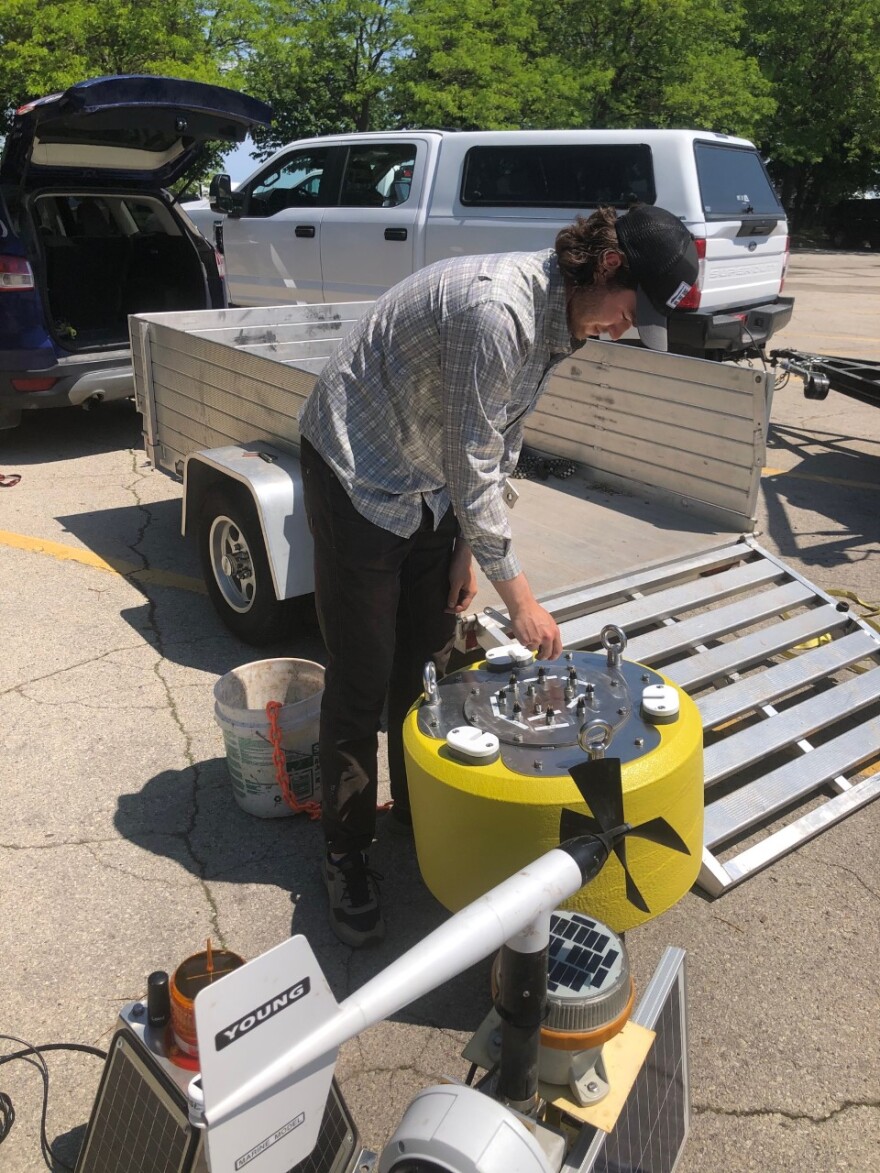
(654, 534)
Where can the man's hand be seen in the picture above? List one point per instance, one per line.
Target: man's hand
(462, 579)
(534, 627)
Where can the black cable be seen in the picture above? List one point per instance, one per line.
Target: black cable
(7, 1116)
(759, 349)
(34, 1055)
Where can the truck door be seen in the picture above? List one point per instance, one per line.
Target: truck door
(273, 247)
(367, 242)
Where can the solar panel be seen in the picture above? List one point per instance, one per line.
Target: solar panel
(337, 1140)
(652, 1127)
(139, 1121)
(582, 952)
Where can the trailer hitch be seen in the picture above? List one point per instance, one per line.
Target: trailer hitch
(857, 377)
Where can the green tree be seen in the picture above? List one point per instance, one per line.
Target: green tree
(46, 48)
(612, 63)
(661, 63)
(51, 46)
(480, 64)
(325, 65)
(822, 58)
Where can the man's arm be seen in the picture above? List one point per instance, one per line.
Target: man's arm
(483, 349)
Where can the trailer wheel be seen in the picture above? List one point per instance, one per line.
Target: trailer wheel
(236, 567)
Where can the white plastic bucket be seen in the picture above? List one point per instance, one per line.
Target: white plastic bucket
(240, 699)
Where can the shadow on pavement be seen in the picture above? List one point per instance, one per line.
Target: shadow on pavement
(66, 1146)
(191, 817)
(835, 483)
(67, 433)
(176, 617)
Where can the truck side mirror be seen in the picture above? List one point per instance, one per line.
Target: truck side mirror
(220, 193)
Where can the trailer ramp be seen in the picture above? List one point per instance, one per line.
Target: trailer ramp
(786, 679)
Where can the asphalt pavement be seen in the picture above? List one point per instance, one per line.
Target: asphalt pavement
(122, 850)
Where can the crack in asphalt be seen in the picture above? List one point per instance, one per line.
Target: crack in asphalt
(91, 708)
(798, 1117)
(68, 668)
(60, 843)
(855, 875)
(112, 867)
(152, 627)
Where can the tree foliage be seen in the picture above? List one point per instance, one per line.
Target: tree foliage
(801, 77)
(822, 58)
(477, 64)
(47, 47)
(325, 65)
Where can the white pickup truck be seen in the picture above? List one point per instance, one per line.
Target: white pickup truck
(649, 537)
(344, 217)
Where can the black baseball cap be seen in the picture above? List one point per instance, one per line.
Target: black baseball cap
(663, 260)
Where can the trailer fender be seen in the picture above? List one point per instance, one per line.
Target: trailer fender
(274, 480)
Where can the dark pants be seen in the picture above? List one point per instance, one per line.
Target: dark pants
(381, 603)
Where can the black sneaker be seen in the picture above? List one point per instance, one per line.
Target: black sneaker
(353, 892)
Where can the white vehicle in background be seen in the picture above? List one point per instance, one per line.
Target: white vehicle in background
(345, 217)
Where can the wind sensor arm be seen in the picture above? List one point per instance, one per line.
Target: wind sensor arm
(507, 912)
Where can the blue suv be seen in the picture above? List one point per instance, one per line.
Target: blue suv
(89, 234)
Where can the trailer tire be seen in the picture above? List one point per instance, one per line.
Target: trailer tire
(236, 569)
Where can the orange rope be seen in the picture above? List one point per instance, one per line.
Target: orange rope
(310, 807)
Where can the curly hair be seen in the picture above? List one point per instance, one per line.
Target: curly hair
(580, 246)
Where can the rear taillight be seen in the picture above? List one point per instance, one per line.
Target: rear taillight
(221, 263)
(691, 300)
(15, 273)
(785, 261)
(33, 384)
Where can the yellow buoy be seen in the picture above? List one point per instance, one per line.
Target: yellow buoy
(488, 752)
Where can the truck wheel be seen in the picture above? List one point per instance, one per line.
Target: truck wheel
(236, 567)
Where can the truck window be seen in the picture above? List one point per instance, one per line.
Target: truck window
(297, 181)
(378, 176)
(734, 183)
(573, 176)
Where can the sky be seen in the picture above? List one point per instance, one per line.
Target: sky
(238, 163)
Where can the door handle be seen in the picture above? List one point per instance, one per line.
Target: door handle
(395, 234)
(304, 230)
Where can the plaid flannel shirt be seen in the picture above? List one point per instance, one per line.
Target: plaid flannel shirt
(426, 398)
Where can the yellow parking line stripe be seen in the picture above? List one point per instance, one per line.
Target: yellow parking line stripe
(128, 570)
(805, 476)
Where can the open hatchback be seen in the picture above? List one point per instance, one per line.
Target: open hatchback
(89, 232)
